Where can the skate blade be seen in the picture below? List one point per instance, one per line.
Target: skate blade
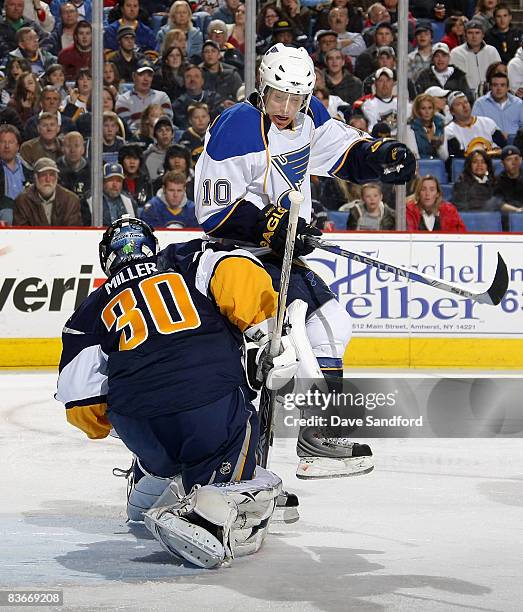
(285, 515)
(315, 468)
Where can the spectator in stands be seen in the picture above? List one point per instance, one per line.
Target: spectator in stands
(39, 12)
(75, 171)
(335, 106)
(428, 212)
(78, 55)
(383, 106)
(178, 158)
(112, 76)
(202, 14)
(76, 102)
(350, 43)
(55, 77)
(474, 56)
(420, 59)
(132, 103)
(297, 15)
(12, 22)
(267, 17)
(237, 35)
(325, 41)
(180, 18)
(226, 12)
(14, 174)
(49, 103)
(28, 48)
(355, 16)
(194, 137)
(377, 14)
(84, 8)
(496, 67)
(426, 129)
(154, 157)
(359, 122)
(283, 32)
(47, 144)
(443, 74)
(505, 109)
(474, 188)
(465, 129)
(194, 92)
(504, 36)
(218, 77)
(371, 214)
(115, 202)
(367, 62)
(509, 183)
(145, 39)
(46, 203)
(168, 76)
(126, 57)
(339, 81)
(515, 72)
(439, 95)
(26, 97)
(170, 206)
(148, 118)
(14, 69)
(137, 184)
(113, 139)
(454, 31)
(63, 35)
(484, 13)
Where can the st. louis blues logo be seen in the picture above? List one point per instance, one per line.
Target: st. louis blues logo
(292, 166)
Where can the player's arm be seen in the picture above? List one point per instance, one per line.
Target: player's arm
(363, 158)
(82, 379)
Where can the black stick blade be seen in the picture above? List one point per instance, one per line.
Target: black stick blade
(499, 286)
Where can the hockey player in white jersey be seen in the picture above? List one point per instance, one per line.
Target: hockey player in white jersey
(257, 152)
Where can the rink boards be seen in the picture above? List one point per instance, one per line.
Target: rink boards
(45, 274)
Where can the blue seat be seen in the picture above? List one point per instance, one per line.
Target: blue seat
(436, 167)
(482, 221)
(446, 190)
(457, 168)
(339, 218)
(156, 21)
(497, 165)
(438, 30)
(515, 222)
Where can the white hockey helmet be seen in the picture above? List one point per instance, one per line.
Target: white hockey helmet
(288, 69)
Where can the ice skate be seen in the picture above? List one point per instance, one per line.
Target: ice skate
(286, 510)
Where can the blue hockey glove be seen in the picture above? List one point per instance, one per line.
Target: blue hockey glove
(393, 161)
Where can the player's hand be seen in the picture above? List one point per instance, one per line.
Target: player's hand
(272, 231)
(392, 161)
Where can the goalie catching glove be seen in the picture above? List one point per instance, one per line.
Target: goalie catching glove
(275, 372)
(392, 161)
(271, 230)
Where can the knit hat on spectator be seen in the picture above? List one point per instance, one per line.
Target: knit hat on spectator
(509, 150)
(125, 31)
(143, 65)
(437, 92)
(162, 122)
(453, 96)
(45, 163)
(113, 170)
(443, 47)
(474, 24)
(386, 51)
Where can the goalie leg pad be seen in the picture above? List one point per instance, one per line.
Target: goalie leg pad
(329, 329)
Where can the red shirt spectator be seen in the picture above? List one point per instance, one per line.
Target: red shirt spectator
(78, 55)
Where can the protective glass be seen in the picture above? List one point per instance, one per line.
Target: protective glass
(282, 103)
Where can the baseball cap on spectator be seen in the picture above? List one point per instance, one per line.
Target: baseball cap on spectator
(437, 92)
(217, 26)
(381, 130)
(453, 96)
(125, 31)
(113, 170)
(474, 24)
(423, 26)
(323, 33)
(282, 26)
(143, 65)
(386, 51)
(45, 163)
(211, 43)
(443, 47)
(509, 150)
(387, 71)
(161, 122)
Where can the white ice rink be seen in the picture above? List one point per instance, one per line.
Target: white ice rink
(438, 526)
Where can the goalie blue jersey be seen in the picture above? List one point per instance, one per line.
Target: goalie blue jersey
(162, 335)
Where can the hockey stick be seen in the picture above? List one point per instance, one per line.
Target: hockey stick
(493, 295)
(268, 398)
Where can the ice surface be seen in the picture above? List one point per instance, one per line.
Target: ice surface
(438, 526)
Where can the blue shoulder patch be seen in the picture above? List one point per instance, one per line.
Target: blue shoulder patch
(318, 112)
(236, 132)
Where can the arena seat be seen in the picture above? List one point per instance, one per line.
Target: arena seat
(482, 221)
(515, 222)
(438, 30)
(446, 189)
(156, 22)
(436, 167)
(339, 218)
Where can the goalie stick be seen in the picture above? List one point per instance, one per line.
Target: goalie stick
(268, 398)
(493, 295)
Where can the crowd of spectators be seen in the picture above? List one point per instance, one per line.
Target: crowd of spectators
(171, 67)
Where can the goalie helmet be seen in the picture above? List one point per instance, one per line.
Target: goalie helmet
(124, 241)
(288, 69)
